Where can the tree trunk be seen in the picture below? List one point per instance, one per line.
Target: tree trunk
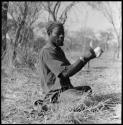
(16, 40)
(118, 47)
(4, 27)
(20, 26)
(118, 40)
(53, 17)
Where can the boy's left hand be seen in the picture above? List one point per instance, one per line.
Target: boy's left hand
(98, 51)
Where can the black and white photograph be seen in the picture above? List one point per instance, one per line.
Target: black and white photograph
(61, 62)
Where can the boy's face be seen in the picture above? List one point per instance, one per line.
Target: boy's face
(57, 36)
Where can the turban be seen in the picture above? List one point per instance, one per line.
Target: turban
(52, 25)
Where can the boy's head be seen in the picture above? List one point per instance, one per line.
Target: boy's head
(55, 31)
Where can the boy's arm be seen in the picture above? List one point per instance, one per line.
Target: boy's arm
(80, 63)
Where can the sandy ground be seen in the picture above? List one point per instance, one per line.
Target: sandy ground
(22, 88)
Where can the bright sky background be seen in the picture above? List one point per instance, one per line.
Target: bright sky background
(84, 16)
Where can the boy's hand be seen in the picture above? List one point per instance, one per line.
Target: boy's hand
(98, 51)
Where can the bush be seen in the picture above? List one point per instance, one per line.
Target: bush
(26, 58)
(29, 56)
(38, 44)
(30, 59)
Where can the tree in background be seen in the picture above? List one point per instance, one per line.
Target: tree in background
(56, 11)
(110, 14)
(105, 37)
(23, 16)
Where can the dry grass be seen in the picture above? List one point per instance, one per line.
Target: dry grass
(22, 87)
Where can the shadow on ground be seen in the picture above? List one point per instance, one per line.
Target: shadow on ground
(115, 97)
(102, 67)
(92, 69)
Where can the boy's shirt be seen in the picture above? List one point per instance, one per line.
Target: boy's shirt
(52, 62)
